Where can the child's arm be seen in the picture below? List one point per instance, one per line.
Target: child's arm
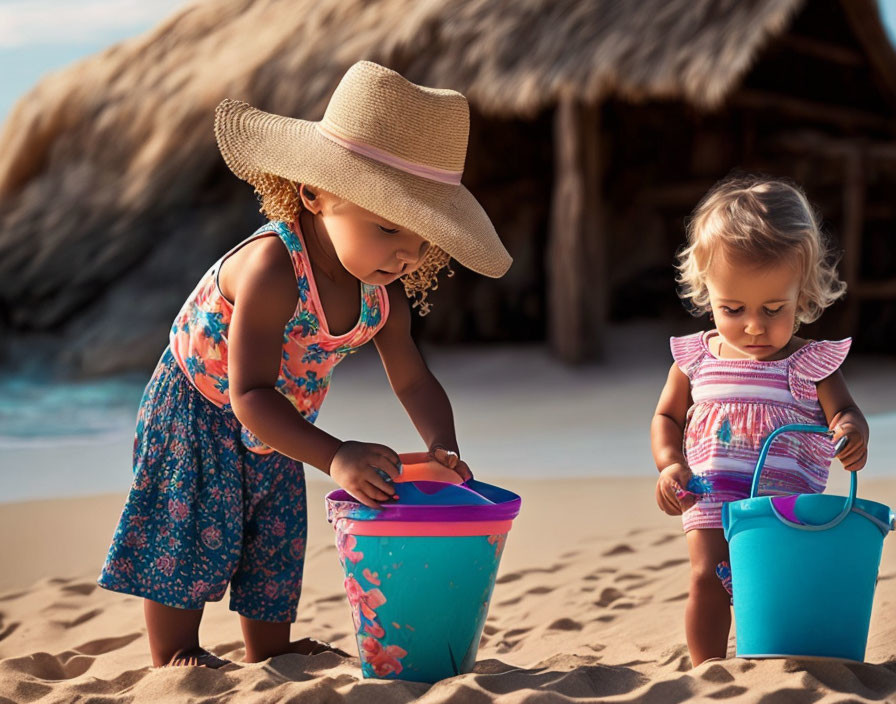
(844, 418)
(419, 391)
(265, 298)
(666, 434)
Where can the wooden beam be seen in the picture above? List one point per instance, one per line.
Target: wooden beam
(851, 234)
(882, 290)
(818, 143)
(864, 18)
(820, 49)
(680, 194)
(577, 281)
(810, 110)
(596, 252)
(880, 211)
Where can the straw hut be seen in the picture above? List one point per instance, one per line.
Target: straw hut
(595, 128)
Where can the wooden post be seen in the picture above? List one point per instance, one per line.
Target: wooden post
(576, 252)
(851, 235)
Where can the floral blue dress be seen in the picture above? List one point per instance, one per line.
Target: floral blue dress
(210, 505)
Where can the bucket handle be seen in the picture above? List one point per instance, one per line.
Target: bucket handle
(766, 446)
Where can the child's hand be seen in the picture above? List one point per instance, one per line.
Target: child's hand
(672, 480)
(855, 453)
(355, 467)
(450, 459)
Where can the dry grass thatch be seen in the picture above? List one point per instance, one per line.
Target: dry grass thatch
(104, 160)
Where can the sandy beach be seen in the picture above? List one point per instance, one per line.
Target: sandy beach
(589, 603)
(588, 607)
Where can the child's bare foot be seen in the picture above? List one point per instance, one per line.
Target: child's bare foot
(196, 657)
(312, 646)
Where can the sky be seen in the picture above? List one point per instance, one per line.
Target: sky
(39, 36)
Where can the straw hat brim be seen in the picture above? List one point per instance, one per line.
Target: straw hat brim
(255, 142)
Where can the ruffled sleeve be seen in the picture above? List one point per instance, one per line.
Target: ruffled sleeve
(687, 352)
(814, 362)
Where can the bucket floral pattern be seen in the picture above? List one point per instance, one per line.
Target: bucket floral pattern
(382, 658)
(198, 338)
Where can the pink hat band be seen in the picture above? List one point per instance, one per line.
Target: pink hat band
(431, 173)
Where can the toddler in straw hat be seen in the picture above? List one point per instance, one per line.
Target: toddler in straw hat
(755, 261)
(366, 207)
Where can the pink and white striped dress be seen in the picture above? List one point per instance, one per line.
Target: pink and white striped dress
(736, 404)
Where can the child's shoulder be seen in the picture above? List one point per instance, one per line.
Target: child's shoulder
(802, 348)
(812, 358)
(263, 268)
(688, 350)
(812, 362)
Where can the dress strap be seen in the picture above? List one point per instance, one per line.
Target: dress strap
(813, 362)
(688, 351)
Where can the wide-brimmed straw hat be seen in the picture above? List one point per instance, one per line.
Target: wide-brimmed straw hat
(385, 144)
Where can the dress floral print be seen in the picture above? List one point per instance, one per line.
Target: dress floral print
(198, 337)
(210, 505)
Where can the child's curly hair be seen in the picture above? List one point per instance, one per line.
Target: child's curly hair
(280, 201)
(762, 221)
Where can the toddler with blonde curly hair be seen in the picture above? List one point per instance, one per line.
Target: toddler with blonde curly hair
(757, 262)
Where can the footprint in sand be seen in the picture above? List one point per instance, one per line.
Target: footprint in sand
(565, 624)
(329, 599)
(667, 564)
(512, 637)
(7, 630)
(60, 606)
(668, 538)
(83, 589)
(623, 605)
(44, 666)
(106, 645)
(678, 655)
(608, 596)
(677, 597)
(716, 673)
(628, 577)
(598, 574)
(83, 618)
(621, 549)
(729, 692)
(12, 595)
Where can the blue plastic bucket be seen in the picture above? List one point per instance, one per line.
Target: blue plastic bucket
(804, 568)
(419, 574)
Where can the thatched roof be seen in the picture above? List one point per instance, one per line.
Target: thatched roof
(522, 57)
(109, 166)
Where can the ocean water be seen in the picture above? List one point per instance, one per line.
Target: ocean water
(518, 414)
(34, 411)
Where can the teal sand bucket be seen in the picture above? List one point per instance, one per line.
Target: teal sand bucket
(804, 568)
(419, 573)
